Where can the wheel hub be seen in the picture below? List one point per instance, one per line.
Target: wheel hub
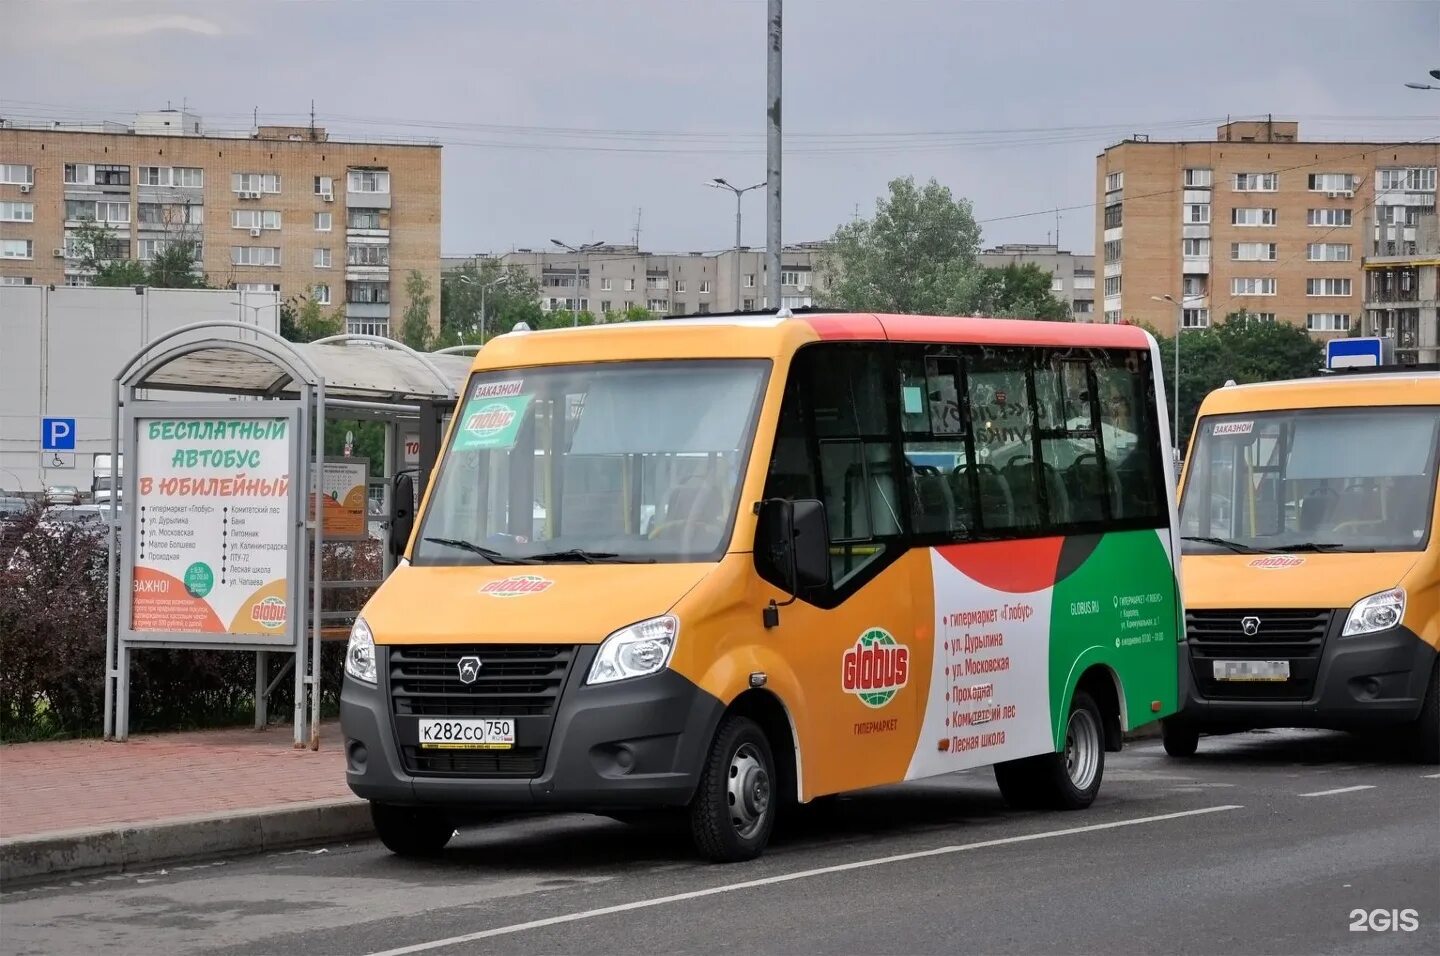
(747, 790)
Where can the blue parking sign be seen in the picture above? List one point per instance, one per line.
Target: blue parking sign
(57, 434)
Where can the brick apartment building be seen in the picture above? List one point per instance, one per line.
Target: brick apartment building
(1258, 219)
(274, 209)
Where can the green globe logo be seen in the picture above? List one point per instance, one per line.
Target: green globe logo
(875, 668)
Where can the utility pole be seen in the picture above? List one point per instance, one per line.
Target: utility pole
(772, 156)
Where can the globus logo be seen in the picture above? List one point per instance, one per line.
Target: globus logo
(269, 613)
(1277, 562)
(875, 668)
(517, 585)
(490, 420)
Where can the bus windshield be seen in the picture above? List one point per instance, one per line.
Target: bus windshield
(1335, 479)
(622, 461)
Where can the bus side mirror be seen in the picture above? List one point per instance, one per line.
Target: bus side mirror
(792, 542)
(402, 514)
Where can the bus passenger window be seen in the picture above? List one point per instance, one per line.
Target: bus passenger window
(1003, 412)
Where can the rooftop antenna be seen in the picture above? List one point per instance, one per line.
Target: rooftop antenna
(255, 117)
(639, 211)
(1057, 228)
(312, 118)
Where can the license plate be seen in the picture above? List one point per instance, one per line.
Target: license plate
(481, 733)
(1252, 670)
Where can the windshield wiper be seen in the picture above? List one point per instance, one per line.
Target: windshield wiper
(1324, 547)
(1235, 546)
(588, 557)
(489, 554)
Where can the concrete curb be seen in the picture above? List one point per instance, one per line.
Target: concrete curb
(69, 853)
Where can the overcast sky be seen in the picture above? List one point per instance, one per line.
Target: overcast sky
(564, 118)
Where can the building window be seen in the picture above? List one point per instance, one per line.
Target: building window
(749, 280)
(258, 287)
(1328, 252)
(1266, 317)
(78, 281)
(1083, 306)
(1331, 182)
(147, 249)
(1198, 178)
(1112, 316)
(325, 186)
(16, 280)
(1112, 285)
(703, 308)
(368, 181)
(367, 255)
(154, 175)
(1192, 287)
(112, 212)
(321, 293)
(1252, 216)
(1327, 322)
(324, 221)
(254, 183)
(605, 286)
(658, 305)
(112, 175)
(747, 305)
(629, 287)
(254, 255)
(367, 293)
(1412, 179)
(1254, 251)
(364, 219)
(17, 212)
(790, 277)
(1114, 215)
(1331, 217)
(189, 177)
(17, 174)
(1114, 181)
(657, 283)
(1195, 248)
(17, 248)
(79, 174)
(704, 286)
(1194, 318)
(1252, 286)
(605, 306)
(1113, 250)
(1084, 280)
(1197, 213)
(1338, 287)
(170, 214)
(255, 219)
(322, 258)
(679, 285)
(1256, 182)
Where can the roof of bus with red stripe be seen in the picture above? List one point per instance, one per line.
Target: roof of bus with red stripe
(975, 331)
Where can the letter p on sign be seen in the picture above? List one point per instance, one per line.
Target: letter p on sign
(57, 434)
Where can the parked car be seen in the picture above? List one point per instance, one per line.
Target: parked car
(62, 495)
(97, 516)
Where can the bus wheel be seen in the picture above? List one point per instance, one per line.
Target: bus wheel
(1427, 728)
(1180, 739)
(1068, 780)
(411, 831)
(734, 807)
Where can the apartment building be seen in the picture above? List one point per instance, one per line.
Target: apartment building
(615, 278)
(1258, 219)
(1072, 276)
(275, 209)
(1402, 283)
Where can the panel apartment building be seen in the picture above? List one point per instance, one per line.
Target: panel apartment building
(1257, 219)
(275, 209)
(1072, 275)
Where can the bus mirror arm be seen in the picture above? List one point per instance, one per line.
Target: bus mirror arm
(402, 514)
(793, 541)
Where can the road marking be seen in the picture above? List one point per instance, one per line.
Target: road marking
(786, 878)
(1331, 793)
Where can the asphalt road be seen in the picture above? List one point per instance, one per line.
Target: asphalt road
(1264, 843)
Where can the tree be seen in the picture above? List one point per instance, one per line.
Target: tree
(1235, 349)
(309, 322)
(174, 267)
(460, 298)
(918, 253)
(636, 313)
(1021, 292)
(415, 330)
(102, 253)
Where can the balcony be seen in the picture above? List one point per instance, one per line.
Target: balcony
(367, 310)
(367, 200)
(367, 273)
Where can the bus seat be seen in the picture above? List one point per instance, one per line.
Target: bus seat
(1314, 507)
(997, 505)
(1056, 494)
(934, 505)
(1088, 489)
(1019, 474)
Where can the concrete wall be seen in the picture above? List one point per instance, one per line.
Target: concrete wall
(60, 351)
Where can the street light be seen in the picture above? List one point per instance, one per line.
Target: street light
(1179, 325)
(718, 183)
(497, 281)
(579, 251)
(1426, 86)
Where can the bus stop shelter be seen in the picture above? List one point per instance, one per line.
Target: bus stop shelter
(218, 540)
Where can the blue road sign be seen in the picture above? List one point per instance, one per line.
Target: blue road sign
(1365, 352)
(57, 434)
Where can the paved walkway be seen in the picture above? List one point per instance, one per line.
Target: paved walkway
(74, 784)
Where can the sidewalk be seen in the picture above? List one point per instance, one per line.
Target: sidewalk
(81, 805)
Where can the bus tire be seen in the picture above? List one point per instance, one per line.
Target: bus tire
(734, 808)
(1179, 738)
(1426, 733)
(411, 831)
(1068, 780)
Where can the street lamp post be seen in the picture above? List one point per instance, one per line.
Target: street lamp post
(498, 281)
(579, 251)
(1426, 86)
(1175, 385)
(720, 183)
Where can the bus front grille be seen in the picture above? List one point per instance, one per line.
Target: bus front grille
(1297, 636)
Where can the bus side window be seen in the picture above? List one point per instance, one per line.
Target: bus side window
(1130, 437)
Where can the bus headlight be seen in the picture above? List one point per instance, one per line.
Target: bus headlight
(634, 651)
(1378, 612)
(360, 652)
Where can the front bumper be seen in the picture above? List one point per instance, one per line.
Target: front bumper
(631, 744)
(1367, 680)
